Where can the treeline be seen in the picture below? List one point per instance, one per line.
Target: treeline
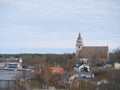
(49, 59)
(115, 55)
(55, 59)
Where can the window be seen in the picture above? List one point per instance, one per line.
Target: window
(12, 65)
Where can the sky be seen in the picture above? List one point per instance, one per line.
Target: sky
(52, 26)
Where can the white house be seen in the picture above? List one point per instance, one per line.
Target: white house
(117, 66)
(81, 67)
(13, 65)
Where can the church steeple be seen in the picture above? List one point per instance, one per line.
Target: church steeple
(79, 36)
(79, 41)
(79, 44)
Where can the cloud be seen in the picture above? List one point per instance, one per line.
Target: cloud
(56, 23)
(61, 9)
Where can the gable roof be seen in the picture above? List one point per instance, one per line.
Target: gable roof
(93, 52)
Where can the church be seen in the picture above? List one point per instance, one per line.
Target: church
(86, 54)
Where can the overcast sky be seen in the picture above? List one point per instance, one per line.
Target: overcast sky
(52, 26)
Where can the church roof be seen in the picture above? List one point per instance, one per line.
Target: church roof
(93, 52)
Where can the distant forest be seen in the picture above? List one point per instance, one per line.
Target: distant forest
(55, 59)
(61, 60)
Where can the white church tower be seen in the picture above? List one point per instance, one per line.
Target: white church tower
(79, 44)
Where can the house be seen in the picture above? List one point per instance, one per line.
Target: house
(72, 78)
(13, 65)
(91, 53)
(81, 67)
(56, 70)
(75, 80)
(87, 74)
(2, 65)
(109, 64)
(84, 70)
(117, 66)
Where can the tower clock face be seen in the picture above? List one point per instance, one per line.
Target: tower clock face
(79, 47)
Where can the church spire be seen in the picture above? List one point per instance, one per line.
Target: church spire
(79, 36)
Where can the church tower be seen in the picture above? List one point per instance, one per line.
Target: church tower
(79, 44)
